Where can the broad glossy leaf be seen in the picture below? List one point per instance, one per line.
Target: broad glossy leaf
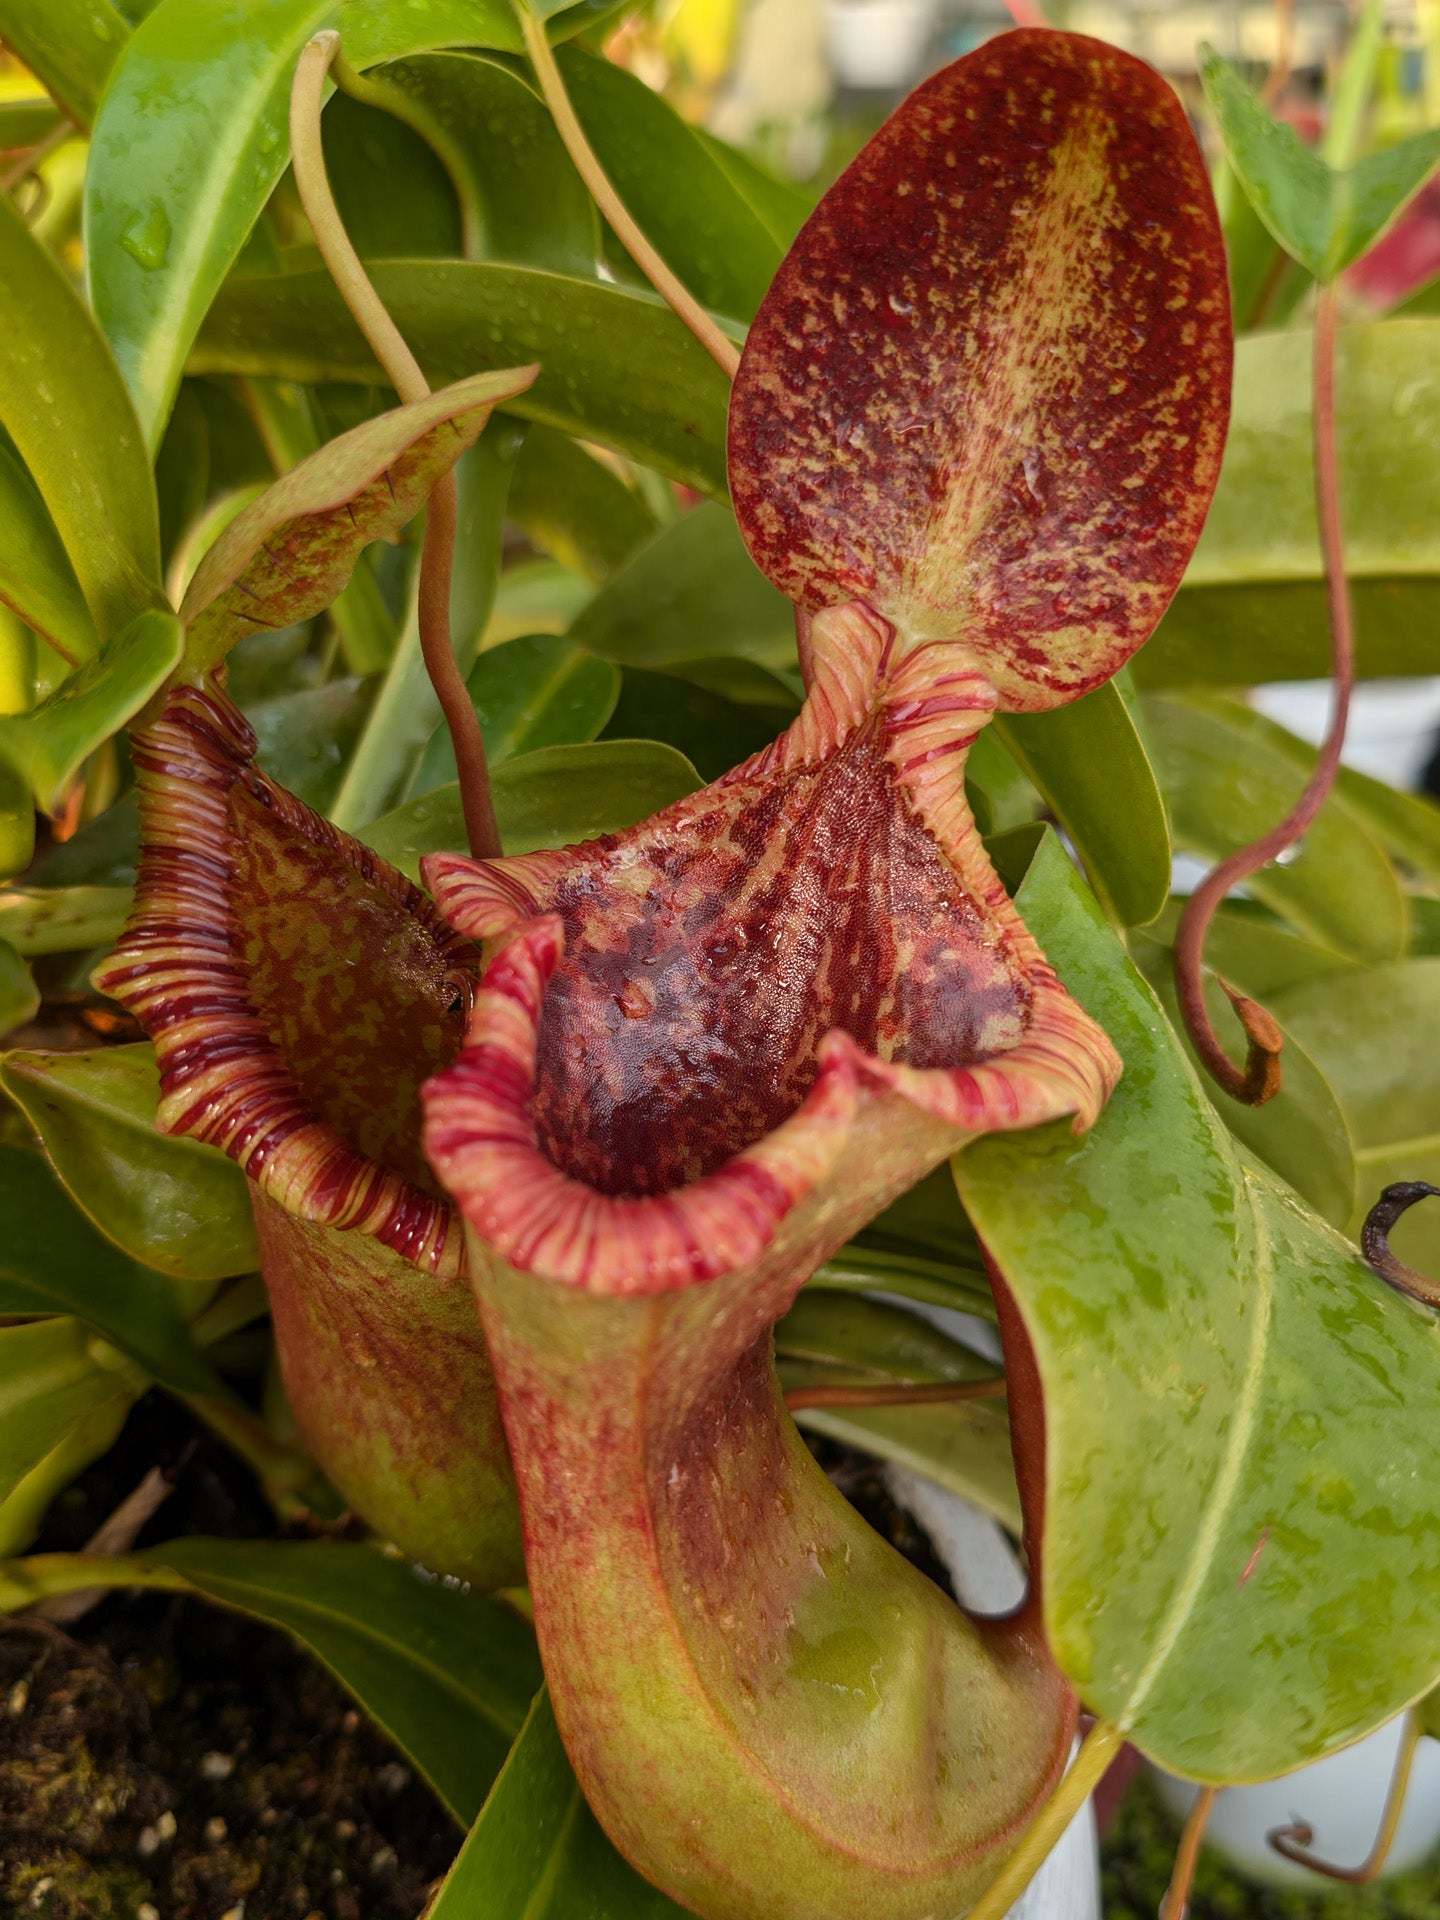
(1324, 216)
(70, 45)
(1000, 796)
(714, 734)
(1375, 1037)
(573, 506)
(447, 1673)
(856, 1338)
(64, 405)
(963, 1446)
(37, 580)
(17, 821)
(189, 141)
(1407, 825)
(1090, 764)
(675, 188)
(692, 591)
(1227, 781)
(49, 744)
(554, 797)
(171, 1203)
(538, 691)
(1301, 1133)
(305, 738)
(521, 199)
(930, 407)
(861, 1268)
(288, 554)
(395, 197)
(405, 712)
(379, 30)
(538, 1853)
(36, 920)
(1252, 604)
(1255, 952)
(19, 996)
(1235, 1573)
(59, 1410)
(102, 854)
(53, 1261)
(781, 205)
(588, 337)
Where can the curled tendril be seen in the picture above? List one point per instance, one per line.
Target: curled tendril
(1177, 1895)
(835, 1394)
(1294, 1842)
(437, 558)
(1259, 1080)
(1375, 1240)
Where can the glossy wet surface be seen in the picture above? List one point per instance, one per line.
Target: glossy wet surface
(704, 966)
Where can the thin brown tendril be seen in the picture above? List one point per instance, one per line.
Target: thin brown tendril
(437, 556)
(1259, 1081)
(1294, 1843)
(1375, 1240)
(677, 296)
(931, 1394)
(1177, 1895)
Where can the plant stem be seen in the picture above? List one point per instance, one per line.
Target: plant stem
(1098, 1749)
(1284, 52)
(1293, 1843)
(1177, 1894)
(722, 351)
(389, 347)
(1260, 1079)
(1375, 1240)
(932, 1394)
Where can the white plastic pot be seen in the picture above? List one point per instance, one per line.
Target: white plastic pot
(878, 43)
(1342, 1799)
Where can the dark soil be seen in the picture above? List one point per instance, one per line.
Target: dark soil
(164, 1759)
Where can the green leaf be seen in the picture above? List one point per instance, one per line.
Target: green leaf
(1235, 1573)
(1254, 952)
(36, 920)
(171, 1203)
(406, 713)
(17, 821)
(574, 507)
(1230, 775)
(59, 1410)
(520, 196)
(587, 336)
(305, 738)
(1326, 218)
(691, 590)
(538, 1853)
(37, 580)
(1373, 1035)
(554, 797)
(714, 734)
(190, 139)
(1090, 764)
(63, 403)
(1252, 604)
(287, 555)
(53, 1261)
(1301, 1133)
(1407, 825)
(840, 1333)
(447, 1673)
(372, 31)
(782, 207)
(393, 193)
(1000, 796)
(538, 691)
(19, 996)
(673, 186)
(49, 744)
(70, 45)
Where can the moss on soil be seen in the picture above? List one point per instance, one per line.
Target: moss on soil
(1138, 1852)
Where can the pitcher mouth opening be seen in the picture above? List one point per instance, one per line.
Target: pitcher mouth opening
(685, 1003)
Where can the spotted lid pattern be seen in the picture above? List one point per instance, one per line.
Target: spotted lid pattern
(988, 389)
